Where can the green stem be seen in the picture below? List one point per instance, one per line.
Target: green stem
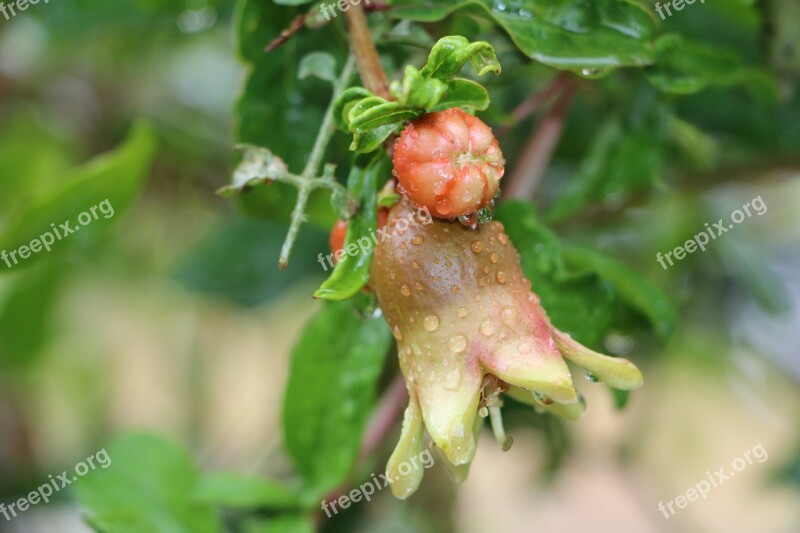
(308, 181)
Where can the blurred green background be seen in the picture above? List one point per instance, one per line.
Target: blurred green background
(171, 316)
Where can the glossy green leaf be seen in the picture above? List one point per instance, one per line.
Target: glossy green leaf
(241, 491)
(587, 37)
(331, 391)
(108, 184)
(374, 112)
(639, 293)
(344, 103)
(351, 273)
(686, 67)
(450, 53)
(418, 91)
(465, 94)
(369, 142)
(319, 64)
(147, 487)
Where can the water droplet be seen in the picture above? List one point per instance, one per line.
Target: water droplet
(443, 207)
(467, 197)
(431, 322)
(486, 270)
(477, 246)
(405, 290)
(453, 379)
(439, 187)
(455, 289)
(503, 238)
(397, 333)
(494, 257)
(487, 328)
(591, 377)
(501, 277)
(541, 398)
(486, 214)
(418, 239)
(470, 220)
(457, 343)
(462, 312)
(508, 316)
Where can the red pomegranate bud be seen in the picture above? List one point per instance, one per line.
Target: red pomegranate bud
(469, 328)
(449, 162)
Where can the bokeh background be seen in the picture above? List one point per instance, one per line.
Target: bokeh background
(173, 317)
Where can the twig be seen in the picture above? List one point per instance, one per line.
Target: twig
(539, 149)
(308, 181)
(529, 106)
(369, 62)
(288, 33)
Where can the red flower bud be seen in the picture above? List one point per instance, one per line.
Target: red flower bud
(449, 162)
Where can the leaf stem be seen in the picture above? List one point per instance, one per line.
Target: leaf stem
(307, 181)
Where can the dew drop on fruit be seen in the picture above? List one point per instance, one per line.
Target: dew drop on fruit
(417, 240)
(457, 343)
(431, 322)
(470, 220)
(405, 290)
(462, 312)
(477, 246)
(508, 316)
(487, 328)
(443, 207)
(591, 377)
(486, 214)
(503, 238)
(493, 258)
(397, 333)
(501, 277)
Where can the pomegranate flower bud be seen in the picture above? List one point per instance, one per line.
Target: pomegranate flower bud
(449, 162)
(469, 329)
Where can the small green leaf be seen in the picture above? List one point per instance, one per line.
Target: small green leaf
(620, 398)
(374, 112)
(450, 53)
(331, 391)
(351, 273)
(465, 94)
(418, 91)
(232, 489)
(369, 142)
(344, 103)
(147, 487)
(319, 64)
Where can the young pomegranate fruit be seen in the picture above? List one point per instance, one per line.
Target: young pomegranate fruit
(449, 162)
(469, 328)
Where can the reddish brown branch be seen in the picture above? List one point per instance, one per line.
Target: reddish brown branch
(536, 155)
(527, 107)
(288, 33)
(367, 58)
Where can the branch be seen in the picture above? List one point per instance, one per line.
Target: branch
(527, 107)
(539, 149)
(369, 63)
(308, 181)
(288, 33)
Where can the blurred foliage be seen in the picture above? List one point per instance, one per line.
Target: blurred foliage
(666, 112)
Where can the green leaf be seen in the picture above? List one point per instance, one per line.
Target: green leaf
(450, 53)
(351, 273)
(108, 184)
(687, 67)
(374, 112)
(319, 64)
(590, 38)
(418, 91)
(639, 293)
(240, 491)
(25, 315)
(147, 487)
(331, 391)
(345, 102)
(465, 94)
(369, 142)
